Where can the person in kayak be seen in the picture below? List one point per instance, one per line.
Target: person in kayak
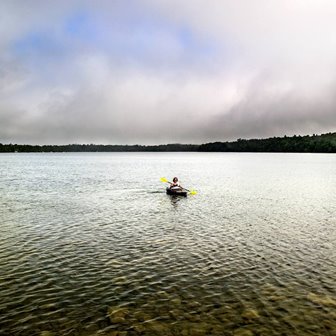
(175, 185)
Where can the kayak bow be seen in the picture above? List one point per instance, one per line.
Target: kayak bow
(176, 192)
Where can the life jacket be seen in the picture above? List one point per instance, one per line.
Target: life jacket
(175, 185)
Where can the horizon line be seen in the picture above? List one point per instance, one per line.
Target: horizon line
(168, 144)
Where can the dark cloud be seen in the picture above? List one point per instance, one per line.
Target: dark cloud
(261, 113)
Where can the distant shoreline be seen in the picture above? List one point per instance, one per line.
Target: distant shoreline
(324, 143)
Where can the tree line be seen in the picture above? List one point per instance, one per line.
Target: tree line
(325, 143)
(12, 148)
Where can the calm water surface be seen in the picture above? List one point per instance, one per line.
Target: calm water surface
(90, 244)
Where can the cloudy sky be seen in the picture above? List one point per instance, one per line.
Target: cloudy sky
(163, 71)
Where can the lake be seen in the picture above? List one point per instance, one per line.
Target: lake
(91, 244)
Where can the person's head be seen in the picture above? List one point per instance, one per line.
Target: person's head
(175, 179)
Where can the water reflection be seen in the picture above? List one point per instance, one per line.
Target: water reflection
(174, 200)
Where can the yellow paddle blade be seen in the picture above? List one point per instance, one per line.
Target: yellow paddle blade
(163, 179)
(193, 192)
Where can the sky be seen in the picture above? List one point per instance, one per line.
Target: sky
(167, 71)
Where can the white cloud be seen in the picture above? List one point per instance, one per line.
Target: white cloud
(245, 68)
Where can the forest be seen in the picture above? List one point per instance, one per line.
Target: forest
(324, 143)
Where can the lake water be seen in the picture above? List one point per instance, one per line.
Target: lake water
(90, 244)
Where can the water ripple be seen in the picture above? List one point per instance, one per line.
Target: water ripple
(87, 249)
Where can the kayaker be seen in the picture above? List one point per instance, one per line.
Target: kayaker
(175, 184)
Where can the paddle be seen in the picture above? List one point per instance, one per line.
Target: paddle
(192, 192)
